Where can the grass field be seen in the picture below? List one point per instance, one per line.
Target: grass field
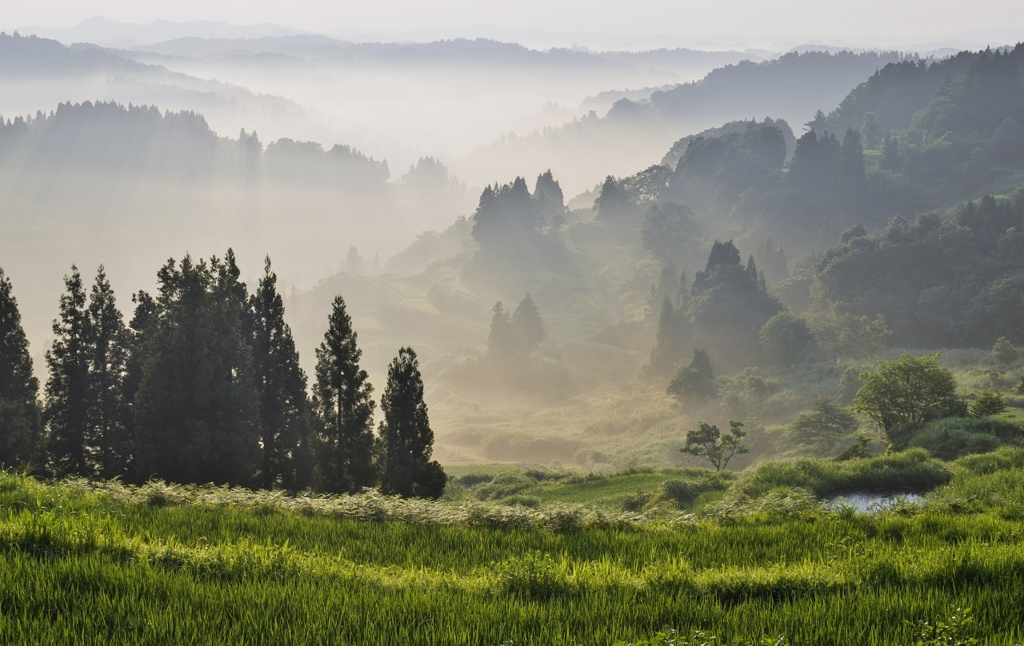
(106, 564)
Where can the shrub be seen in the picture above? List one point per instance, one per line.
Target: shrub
(951, 438)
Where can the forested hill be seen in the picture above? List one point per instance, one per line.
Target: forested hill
(142, 140)
(32, 57)
(788, 87)
(895, 93)
(953, 281)
(791, 87)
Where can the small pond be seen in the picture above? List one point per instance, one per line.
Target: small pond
(872, 503)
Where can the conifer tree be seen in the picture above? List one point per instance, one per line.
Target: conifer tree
(667, 349)
(19, 389)
(281, 385)
(527, 327)
(344, 408)
(500, 340)
(196, 412)
(408, 440)
(68, 386)
(138, 327)
(108, 435)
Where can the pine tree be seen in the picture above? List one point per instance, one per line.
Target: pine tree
(500, 340)
(408, 440)
(668, 343)
(108, 435)
(68, 386)
(138, 329)
(344, 408)
(19, 389)
(196, 412)
(527, 328)
(281, 385)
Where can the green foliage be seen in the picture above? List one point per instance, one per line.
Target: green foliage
(709, 443)
(109, 432)
(666, 229)
(913, 470)
(822, 427)
(1004, 354)
(987, 404)
(343, 408)
(284, 409)
(955, 630)
(19, 389)
(951, 438)
(166, 563)
(67, 388)
(196, 410)
(904, 393)
(668, 342)
(695, 381)
(786, 339)
(514, 334)
(406, 435)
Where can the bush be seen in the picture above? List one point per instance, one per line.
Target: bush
(951, 438)
(913, 470)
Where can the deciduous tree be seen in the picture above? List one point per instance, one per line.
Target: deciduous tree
(709, 443)
(904, 393)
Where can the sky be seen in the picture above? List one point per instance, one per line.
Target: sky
(681, 23)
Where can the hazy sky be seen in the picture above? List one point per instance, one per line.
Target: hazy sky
(679, 22)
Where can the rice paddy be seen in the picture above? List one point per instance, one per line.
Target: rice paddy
(766, 563)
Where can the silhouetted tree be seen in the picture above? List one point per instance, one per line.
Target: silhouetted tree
(550, 200)
(851, 161)
(668, 342)
(108, 436)
(695, 381)
(19, 389)
(196, 408)
(344, 408)
(67, 387)
(281, 387)
(527, 327)
(709, 443)
(501, 340)
(408, 440)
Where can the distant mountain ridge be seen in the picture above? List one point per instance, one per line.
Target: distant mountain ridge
(112, 33)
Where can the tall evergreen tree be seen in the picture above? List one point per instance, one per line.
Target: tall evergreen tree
(668, 344)
(851, 161)
(344, 408)
(527, 327)
(408, 440)
(138, 327)
(196, 412)
(68, 385)
(108, 435)
(19, 389)
(281, 384)
(501, 340)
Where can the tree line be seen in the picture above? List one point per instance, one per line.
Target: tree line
(203, 384)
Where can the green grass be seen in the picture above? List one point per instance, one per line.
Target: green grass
(85, 563)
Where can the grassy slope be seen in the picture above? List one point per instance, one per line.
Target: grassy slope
(108, 565)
